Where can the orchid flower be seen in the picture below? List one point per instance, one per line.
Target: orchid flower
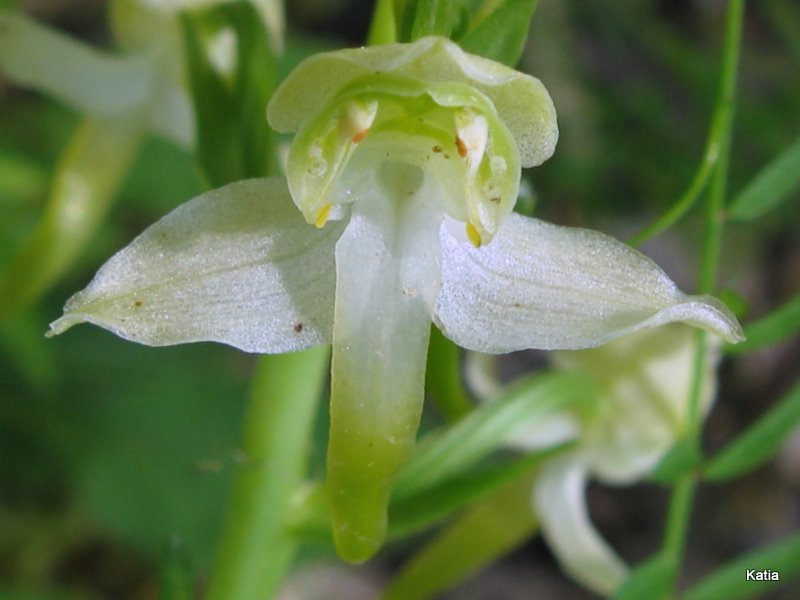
(122, 96)
(143, 85)
(641, 410)
(405, 169)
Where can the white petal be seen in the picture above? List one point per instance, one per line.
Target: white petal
(238, 265)
(35, 56)
(644, 380)
(387, 266)
(559, 500)
(538, 285)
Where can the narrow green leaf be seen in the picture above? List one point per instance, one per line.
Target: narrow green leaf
(682, 458)
(730, 581)
(413, 514)
(759, 442)
(488, 531)
(771, 329)
(443, 377)
(651, 579)
(484, 430)
(502, 35)
(770, 187)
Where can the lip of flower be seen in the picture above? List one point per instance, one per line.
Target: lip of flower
(393, 252)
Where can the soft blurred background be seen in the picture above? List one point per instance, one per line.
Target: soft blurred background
(115, 458)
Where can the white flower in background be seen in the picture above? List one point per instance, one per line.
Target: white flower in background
(142, 85)
(641, 410)
(407, 163)
(122, 96)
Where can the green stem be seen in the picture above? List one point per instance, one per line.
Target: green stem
(683, 491)
(256, 549)
(689, 197)
(443, 378)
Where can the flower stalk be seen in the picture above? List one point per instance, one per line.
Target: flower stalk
(256, 549)
(683, 491)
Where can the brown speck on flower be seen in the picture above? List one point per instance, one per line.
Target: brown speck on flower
(462, 147)
(437, 148)
(360, 136)
(298, 327)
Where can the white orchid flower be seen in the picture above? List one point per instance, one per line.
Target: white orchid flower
(643, 386)
(405, 166)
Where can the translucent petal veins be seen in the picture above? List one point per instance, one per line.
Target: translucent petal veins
(237, 265)
(542, 286)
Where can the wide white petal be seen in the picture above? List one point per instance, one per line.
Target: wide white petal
(559, 500)
(538, 285)
(237, 265)
(35, 56)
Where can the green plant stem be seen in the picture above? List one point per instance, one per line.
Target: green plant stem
(256, 548)
(443, 378)
(689, 197)
(683, 491)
